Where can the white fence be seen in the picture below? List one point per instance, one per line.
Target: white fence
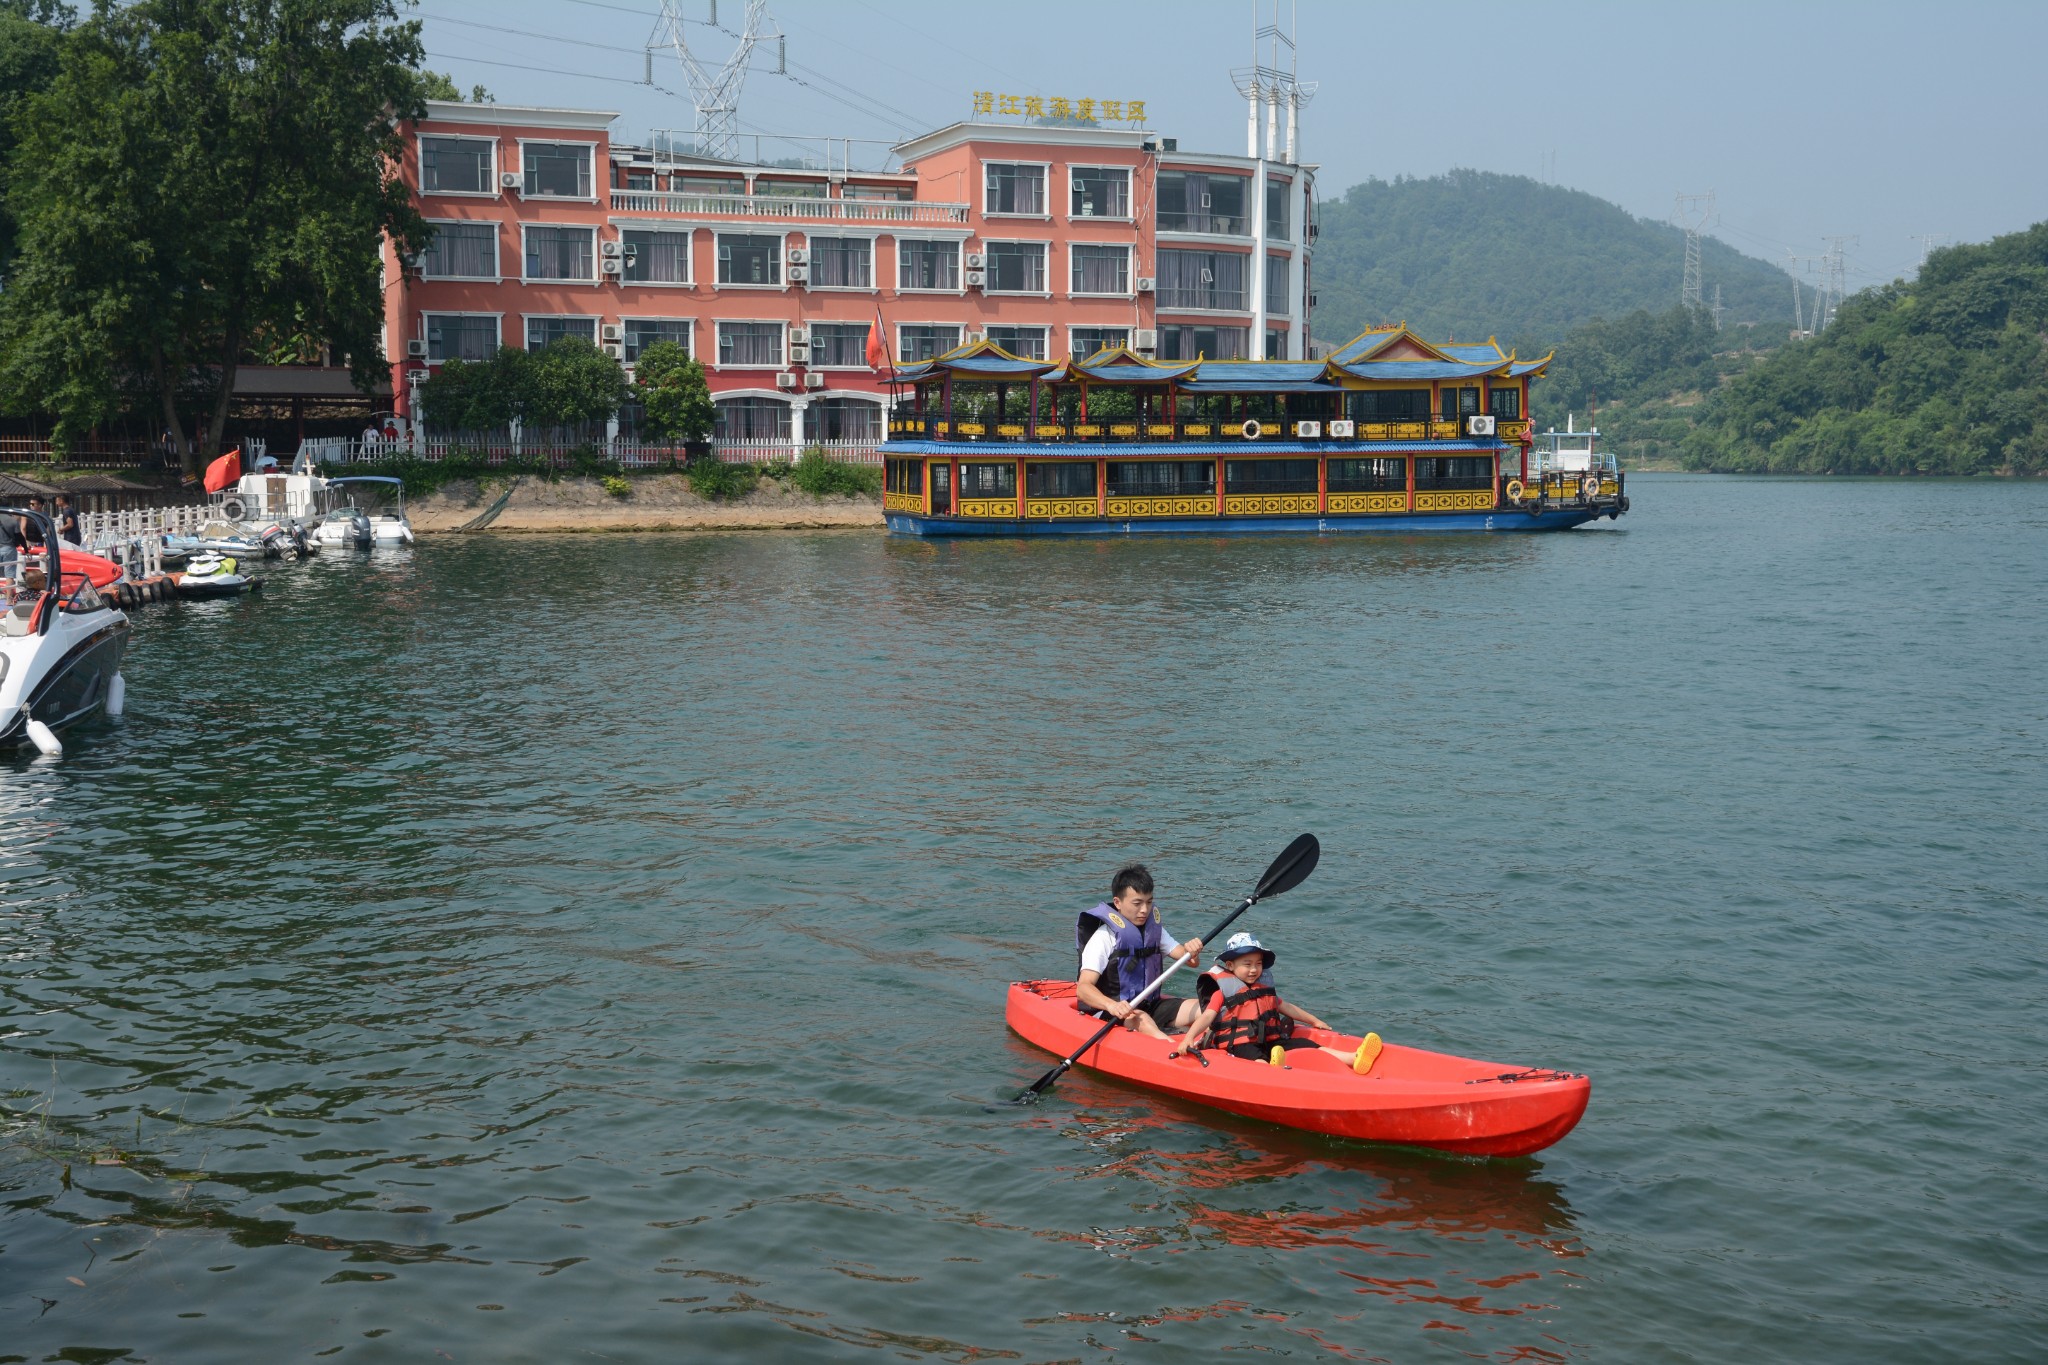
(134, 537)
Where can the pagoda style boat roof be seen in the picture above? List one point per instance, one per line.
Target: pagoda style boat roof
(977, 360)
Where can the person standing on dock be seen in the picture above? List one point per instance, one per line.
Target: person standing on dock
(67, 520)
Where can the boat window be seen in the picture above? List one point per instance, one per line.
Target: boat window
(1506, 404)
(1162, 478)
(1460, 403)
(988, 480)
(1390, 405)
(1060, 479)
(1380, 475)
(942, 486)
(1269, 476)
(1454, 471)
(904, 476)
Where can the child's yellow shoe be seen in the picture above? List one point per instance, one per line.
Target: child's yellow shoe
(1368, 1053)
(1279, 1057)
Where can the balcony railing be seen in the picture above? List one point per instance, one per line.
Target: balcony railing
(785, 206)
(976, 426)
(1203, 221)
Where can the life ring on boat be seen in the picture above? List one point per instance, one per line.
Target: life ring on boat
(1515, 490)
(1251, 428)
(1591, 487)
(234, 509)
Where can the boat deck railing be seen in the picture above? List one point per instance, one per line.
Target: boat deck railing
(979, 426)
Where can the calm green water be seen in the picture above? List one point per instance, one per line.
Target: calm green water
(540, 949)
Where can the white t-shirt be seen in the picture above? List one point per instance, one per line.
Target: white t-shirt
(1095, 957)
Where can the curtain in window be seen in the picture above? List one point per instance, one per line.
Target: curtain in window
(1088, 340)
(453, 337)
(1102, 270)
(751, 419)
(1015, 189)
(1101, 193)
(658, 257)
(842, 419)
(749, 343)
(463, 251)
(1201, 279)
(1028, 342)
(560, 169)
(1278, 271)
(644, 332)
(1016, 267)
(560, 253)
(924, 342)
(842, 262)
(927, 265)
(839, 343)
(455, 164)
(542, 333)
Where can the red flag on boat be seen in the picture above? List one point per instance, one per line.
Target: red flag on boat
(878, 349)
(223, 473)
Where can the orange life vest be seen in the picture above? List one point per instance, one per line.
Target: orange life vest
(1248, 1018)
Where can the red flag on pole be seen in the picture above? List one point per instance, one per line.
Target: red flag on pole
(878, 349)
(223, 472)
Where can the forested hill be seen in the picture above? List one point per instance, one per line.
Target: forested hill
(1945, 375)
(1473, 254)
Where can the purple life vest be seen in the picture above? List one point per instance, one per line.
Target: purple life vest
(1134, 963)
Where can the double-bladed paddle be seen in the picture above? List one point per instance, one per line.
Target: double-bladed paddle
(1288, 871)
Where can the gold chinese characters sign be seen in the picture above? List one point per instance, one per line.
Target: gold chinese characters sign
(1059, 107)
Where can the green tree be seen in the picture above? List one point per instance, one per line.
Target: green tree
(672, 388)
(31, 39)
(437, 85)
(573, 384)
(199, 176)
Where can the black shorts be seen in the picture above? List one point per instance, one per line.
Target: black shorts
(1162, 1008)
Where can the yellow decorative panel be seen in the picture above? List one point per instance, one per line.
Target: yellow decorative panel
(1609, 487)
(1010, 429)
(1198, 429)
(1159, 429)
(1512, 431)
(902, 502)
(1269, 504)
(1059, 507)
(1050, 431)
(1352, 503)
(1393, 431)
(988, 507)
(1123, 429)
(973, 429)
(941, 428)
(1467, 501)
(1444, 431)
(1087, 429)
(1162, 507)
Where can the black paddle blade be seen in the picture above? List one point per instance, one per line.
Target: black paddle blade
(1291, 868)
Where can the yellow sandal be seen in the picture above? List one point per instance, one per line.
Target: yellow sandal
(1368, 1053)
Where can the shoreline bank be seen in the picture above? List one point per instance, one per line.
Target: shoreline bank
(658, 502)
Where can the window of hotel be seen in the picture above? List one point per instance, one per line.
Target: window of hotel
(644, 332)
(1101, 269)
(556, 169)
(922, 341)
(1202, 279)
(463, 251)
(1215, 343)
(839, 344)
(1016, 267)
(744, 259)
(891, 193)
(1459, 403)
(1279, 270)
(1195, 201)
(1269, 476)
(461, 336)
(842, 419)
(1369, 476)
(657, 257)
(751, 419)
(1391, 405)
(1086, 341)
(927, 265)
(1276, 209)
(716, 186)
(1276, 345)
(842, 262)
(1505, 404)
(1101, 192)
(542, 333)
(1059, 479)
(1028, 342)
(639, 180)
(1454, 471)
(1014, 188)
(988, 480)
(750, 343)
(1162, 478)
(789, 189)
(561, 253)
(456, 165)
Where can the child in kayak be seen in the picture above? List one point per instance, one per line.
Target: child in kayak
(1251, 1020)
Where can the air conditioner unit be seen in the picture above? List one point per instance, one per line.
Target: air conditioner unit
(976, 278)
(415, 261)
(1479, 426)
(612, 265)
(798, 256)
(814, 380)
(1146, 284)
(799, 353)
(798, 336)
(1308, 429)
(616, 350)
(416, 349)
(785, 379)
(1148, 339)
(975, 260)
(1344, 429)
(610, 249)
(508, 180)
(799, 274)
(611, 331)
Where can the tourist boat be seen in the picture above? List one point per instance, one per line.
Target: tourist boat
(61, 640)
(1389, 433)
(1410, 1097)
(1566, 465)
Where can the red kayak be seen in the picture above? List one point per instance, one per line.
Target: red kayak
(1412, 1097)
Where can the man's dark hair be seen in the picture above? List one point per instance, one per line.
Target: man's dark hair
(1132, 878)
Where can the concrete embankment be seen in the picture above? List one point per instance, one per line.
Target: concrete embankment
(658, 502)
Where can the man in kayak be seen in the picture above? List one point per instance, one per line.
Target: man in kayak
(1123, 948)
(1250, 1019)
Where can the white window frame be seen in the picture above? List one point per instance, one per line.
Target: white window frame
(1130, 272)
(1045, 331)
(960, 330)
(959, 256)
(874, 284)
(839, 322)
(596, 270)
(497, 231)
(875, 401)
(715, 364)
(781, 258)
(689, 255)
(1130, 198)
(596, 321)
(595, 161)
(626, 325)
(988, 269)
(490, 190)
(426, 326)
(981, 188)
(1075, 350)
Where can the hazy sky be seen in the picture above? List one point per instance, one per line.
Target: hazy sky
(1876, 119)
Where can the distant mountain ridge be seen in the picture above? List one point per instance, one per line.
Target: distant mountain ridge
(1474, 254)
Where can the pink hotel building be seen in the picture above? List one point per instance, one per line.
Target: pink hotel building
(1049, 241)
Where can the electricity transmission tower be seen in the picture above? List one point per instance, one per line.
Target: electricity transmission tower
(1928, 241)
(714, 90)
(1834, 279)
(1692, 212)
(1716, 309)
(1794, 266)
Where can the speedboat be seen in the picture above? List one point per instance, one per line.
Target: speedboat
(214, 576)
(388, 525)
(343, 528)
(61, 640)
